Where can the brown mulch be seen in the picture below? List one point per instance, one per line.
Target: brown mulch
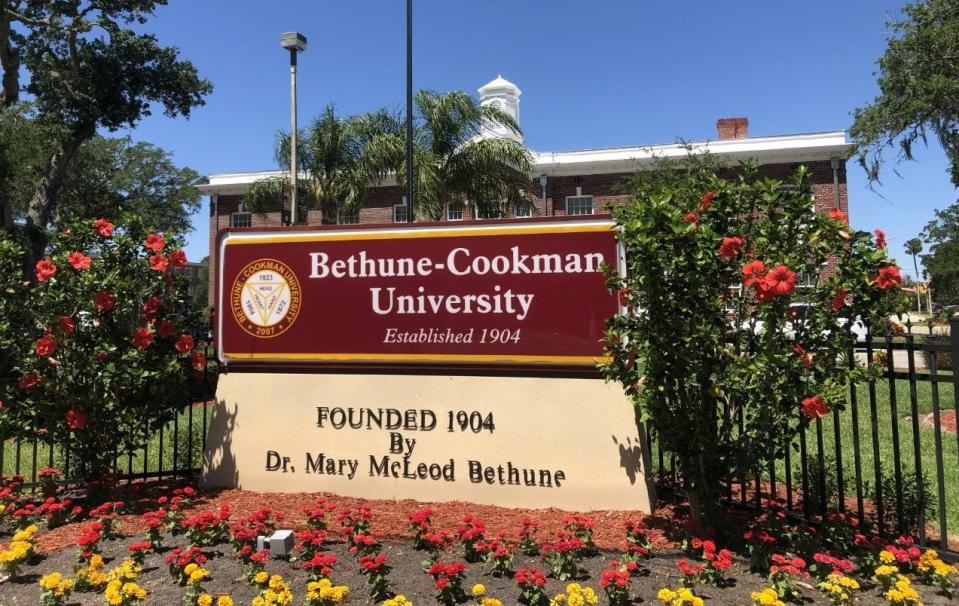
(390, 516)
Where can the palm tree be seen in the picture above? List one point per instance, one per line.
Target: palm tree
(330, 155)
(452, 161)
(914, 247)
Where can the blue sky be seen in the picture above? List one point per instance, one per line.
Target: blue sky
(593, 74)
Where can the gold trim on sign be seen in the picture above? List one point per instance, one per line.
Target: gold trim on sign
(360, 357)
(242, 239)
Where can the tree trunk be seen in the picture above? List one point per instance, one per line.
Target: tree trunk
(702, 491)
(43, 204)
(9, 62)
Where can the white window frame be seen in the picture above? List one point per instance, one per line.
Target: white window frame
(450, 210)
(529, 207)
(579, 196)
(240, 211)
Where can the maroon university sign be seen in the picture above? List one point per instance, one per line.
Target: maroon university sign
(475, 293)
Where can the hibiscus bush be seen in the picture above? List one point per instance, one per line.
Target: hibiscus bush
(100, 354)
(712, 349)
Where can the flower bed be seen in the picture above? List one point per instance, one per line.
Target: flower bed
(450, 553)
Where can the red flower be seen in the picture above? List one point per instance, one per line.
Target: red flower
(178, 259)
(839, 300)
(705, 200)
(103, 228)
(158, 262)
(165, 329)
(889, 278)
(142, 337)
(814, 407)
(198, 360)
(46, 345)
(104, 300)
(880, 238)
(731, 247)
(184, 343)
(45, 270)
(151, 305)
(690, 217)
(753, 272)
(66, 324)
(837, 215)
(29, 380)
(155, 242)
(78, 261)
(780, 280)
(76, 418)
(803, 355)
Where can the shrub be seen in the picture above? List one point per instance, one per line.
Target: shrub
(712, 268)
(912, 503)
(102, 354)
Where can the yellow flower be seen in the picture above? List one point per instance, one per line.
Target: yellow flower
(666, 595)
(204, 599)
(886, 557)
(224, 600)
(189, 568)
(198, 576)
(276, 583)
(479, 589)
(261, 577)
(766, 597)
(491, 602)
(96, 561)
(885, 571)
(558, 600)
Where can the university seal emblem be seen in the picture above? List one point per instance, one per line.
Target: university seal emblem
(265, 298)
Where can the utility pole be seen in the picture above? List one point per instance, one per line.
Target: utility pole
(294, 42)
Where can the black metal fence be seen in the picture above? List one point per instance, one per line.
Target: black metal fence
(174, 450)
(890, 457)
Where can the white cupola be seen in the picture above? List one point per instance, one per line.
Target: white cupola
(505, 95)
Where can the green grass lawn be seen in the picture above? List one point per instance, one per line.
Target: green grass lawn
(19, 456)
(943, 489)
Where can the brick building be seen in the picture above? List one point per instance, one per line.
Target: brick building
(571, 182)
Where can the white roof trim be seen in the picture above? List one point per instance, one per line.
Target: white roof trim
(807, 147)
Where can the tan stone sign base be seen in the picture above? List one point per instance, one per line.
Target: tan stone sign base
(513, 441)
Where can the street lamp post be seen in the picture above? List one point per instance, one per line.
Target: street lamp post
(294, 42)
(409, 111)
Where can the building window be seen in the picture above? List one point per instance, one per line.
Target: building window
(488, 212)
(579, 205)
(399, 213)
(523, 209)
(347, 217)
(241, 219)
(454, 211)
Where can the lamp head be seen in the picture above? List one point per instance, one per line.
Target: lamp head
(294, 41)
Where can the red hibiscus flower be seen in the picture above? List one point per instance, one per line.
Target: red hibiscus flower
(178, 259)
(814, 407)
(165, 329)
(46, 345)
(104, 301)
(839, 300)
(690, 218)
(78, 261)
(880, 238)
(706, 200)
(45, 270)
(198, 359)
(103, 228)
(889, 278)
(159, 262)
(151, 305)
(753, 272)
(155, 242)
(780, 280)
(76, 418)
(66, 324)
(837, 215)
(184, 343)
(29, 381)
(731, 247)
(803, 355)
(142, 337)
